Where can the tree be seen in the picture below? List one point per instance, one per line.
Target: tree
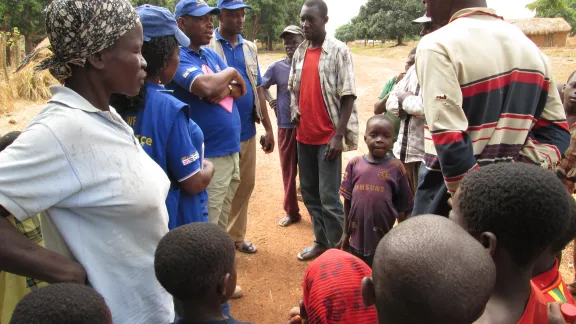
(388, 19)
(346, 33)
(26, 16)
(556, 9)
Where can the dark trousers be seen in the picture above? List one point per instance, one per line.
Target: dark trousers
(288, 148)
(432, 195)
(320, 185)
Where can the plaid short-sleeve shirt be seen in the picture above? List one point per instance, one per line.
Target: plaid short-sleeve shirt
(336, 71)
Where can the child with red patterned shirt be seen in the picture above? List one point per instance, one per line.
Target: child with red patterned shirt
(376, 192)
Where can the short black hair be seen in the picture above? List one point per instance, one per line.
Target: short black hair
(63, 303)
(525, 206)
(429, 267)
(8, 139)
(413, 51)
(320, 4)
(157, 52)
(569, 233)
(380, 117)
(192, 259)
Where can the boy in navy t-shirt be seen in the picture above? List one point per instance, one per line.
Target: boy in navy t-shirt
(196, 263)
(376, 192)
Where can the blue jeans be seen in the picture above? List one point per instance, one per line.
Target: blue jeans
(320, 185)
(432, 194)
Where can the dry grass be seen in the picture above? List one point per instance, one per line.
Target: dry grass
(6, 97)
(541, 26)
(31, 85)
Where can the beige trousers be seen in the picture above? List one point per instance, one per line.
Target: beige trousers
(239, 213)
(222, 188)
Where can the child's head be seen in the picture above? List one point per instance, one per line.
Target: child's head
(62, 304)
(516, 210)
(570, 95)
(8, 139)
(428, 269)
(331, 290)
(196, 263)
(379, 135)
(411, 60)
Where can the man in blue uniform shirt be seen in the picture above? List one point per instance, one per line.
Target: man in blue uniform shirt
(243, 56)
(204, 81)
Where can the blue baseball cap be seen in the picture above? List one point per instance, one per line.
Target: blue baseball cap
(232, 4)
(159, 22)
(196, 8)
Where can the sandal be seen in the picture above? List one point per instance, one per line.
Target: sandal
(287, 221)
(246, 247)
(309, 253)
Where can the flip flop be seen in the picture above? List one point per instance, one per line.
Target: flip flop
(287, 221)
(307, 254)
(247, 247)
(238, 293)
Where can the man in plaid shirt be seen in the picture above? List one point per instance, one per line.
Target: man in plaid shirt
(323, 92)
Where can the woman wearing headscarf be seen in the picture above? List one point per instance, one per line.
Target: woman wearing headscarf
(161, 122)
(78, 162)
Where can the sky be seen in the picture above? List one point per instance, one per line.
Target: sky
(341, 11)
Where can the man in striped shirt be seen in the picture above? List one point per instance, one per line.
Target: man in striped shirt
(486, 100)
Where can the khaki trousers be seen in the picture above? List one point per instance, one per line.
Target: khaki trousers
(222, 188)
(238, 219)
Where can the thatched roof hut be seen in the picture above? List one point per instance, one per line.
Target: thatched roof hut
(545, 32)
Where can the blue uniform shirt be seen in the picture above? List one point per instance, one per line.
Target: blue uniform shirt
(162, 130)
(221, 129)
(235, 59)
(192, 208)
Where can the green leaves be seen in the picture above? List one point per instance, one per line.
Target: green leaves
(383, 20)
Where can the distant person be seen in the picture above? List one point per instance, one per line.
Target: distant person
(546, 273)
(278, 74)
(14, 287)
(380, 105)
(323, 92)
(197, 265)
(517, 211)
(480, 63)
(422, 267)
(102, 197)
(376, 192)
(242, 55)
(331, 291)
(160, 121)
(62, 304)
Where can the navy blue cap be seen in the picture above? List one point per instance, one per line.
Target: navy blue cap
(232, 4)
(159, 22)
(196, 8)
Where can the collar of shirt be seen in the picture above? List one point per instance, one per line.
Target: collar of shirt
(70, 98)
(200, 54)
(475, 11)
(221, 39)
(326, 46)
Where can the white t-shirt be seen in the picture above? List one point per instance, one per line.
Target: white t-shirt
(103, 197)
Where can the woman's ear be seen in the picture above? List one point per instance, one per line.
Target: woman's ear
(97, 60)
(489, 241)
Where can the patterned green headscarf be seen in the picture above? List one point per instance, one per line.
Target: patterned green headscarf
(78, 29)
